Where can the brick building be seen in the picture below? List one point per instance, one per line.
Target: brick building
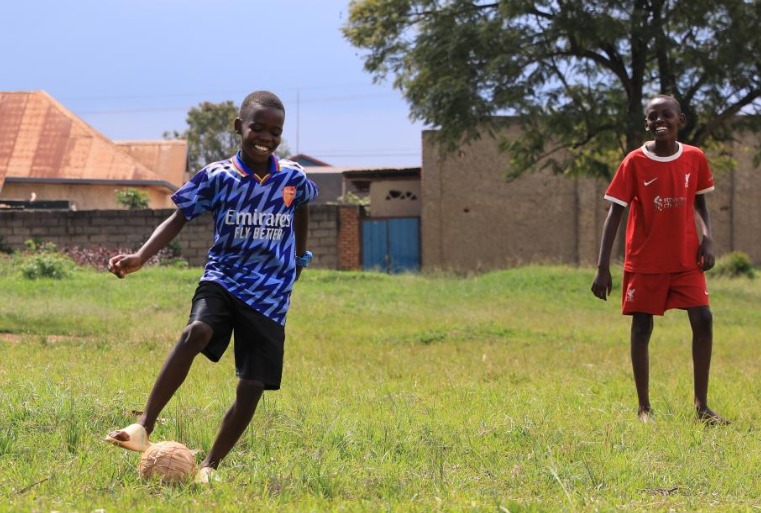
(473, 219)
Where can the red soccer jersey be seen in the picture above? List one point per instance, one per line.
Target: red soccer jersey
(661, 236)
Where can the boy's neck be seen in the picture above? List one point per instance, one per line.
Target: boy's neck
(260, 169)
(663, 148)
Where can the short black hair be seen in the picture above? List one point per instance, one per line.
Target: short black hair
(665, 97)
(262, 99)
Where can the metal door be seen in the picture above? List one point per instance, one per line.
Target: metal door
(391, 245)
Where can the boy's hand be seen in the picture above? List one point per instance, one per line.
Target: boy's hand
(122, 265)
(602, 284)
(706, 258)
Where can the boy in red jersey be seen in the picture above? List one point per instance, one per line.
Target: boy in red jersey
(663, 183)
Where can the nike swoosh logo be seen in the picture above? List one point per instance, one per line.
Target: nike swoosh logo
(651, 181)
(706, 292)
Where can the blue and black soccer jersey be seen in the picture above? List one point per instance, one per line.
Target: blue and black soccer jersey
(253, 255)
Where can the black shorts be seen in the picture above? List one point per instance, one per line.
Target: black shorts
(259, 341)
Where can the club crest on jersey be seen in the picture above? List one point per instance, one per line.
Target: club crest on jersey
(687, 179)
(288, 194)
(630, 295)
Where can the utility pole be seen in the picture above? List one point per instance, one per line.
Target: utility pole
(298, 113)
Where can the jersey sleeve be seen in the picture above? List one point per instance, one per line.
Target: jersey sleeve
(306, 190)
(195, 196)
(621, 188)
(705, 178)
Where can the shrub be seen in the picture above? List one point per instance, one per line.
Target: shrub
(46, 265)
(36, 245)
(734, 265)
(132, 199)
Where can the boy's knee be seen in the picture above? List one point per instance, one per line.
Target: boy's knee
(196, 336)
(249, 389)
(701, 318)
(642, 327)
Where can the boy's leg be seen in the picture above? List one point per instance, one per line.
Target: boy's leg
(235, 421)
(642, 328)
(193, 340)
(701, 321)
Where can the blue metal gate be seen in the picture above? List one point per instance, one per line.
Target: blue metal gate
(391, 245)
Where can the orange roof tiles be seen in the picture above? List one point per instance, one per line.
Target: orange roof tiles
(41, 140)
(168, 158)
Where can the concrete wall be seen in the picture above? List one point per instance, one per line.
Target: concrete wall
(395, 198)
(114, 229)
(83, 197)
(473, 219)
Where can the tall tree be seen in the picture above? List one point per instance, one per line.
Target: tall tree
(210, 134)
(574, 74)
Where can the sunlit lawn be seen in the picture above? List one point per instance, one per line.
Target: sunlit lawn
(509, 391)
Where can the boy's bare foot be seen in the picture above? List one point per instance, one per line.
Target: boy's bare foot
(712, 418)
(645, 414)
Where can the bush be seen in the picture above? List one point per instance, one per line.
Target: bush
(46, 265)
(36, 245)
(132, 199)
(734, 265)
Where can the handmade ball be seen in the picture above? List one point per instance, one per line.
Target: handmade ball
(170, 462)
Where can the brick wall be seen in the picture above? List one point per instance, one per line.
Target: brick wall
(475, 220)
(349, 237)
(128, 229)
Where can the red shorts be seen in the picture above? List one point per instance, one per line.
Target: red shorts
(656, 293)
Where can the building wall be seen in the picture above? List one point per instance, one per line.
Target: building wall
(82, 197)
(473, 219)
(395, 198)
(128, 229)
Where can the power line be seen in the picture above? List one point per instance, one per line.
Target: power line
(328, 99)
(210, 93)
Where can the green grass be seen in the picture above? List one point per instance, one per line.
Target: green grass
(509, 391)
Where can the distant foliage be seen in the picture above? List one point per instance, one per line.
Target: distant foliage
(47, 265)
(355, 199)
(42, 260)
(574, 76)
(132, 199)
(735, 265)
(210, 134)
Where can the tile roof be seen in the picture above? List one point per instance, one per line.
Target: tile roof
(41, 140)
(168, 158)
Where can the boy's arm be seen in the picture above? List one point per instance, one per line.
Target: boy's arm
(603, 282)
(706, 257)
(301, 228)
(122, 265)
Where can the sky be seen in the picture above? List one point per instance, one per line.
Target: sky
(133, 68)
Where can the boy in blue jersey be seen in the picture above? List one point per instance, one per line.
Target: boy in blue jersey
(260, 230)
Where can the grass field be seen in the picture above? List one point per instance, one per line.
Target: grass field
(508, 391)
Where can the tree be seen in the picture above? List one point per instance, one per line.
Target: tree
(574, 74)
(132, 199)
(211, 134)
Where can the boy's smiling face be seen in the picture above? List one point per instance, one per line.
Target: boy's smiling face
(663, 117)
(261, 130)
